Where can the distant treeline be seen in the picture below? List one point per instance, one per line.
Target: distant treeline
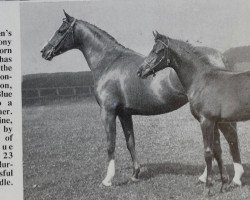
(51, 87)
(54, 80)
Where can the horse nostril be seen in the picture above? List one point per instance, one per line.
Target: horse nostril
(42, 51)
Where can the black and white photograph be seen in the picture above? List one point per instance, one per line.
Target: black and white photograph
(135, 99)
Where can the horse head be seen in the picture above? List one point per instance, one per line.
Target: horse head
(158, 58)
(62, 40)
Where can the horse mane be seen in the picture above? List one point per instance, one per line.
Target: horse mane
(98, 32)
(185, 48)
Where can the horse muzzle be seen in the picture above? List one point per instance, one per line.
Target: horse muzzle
(145, 70)
(47, 54)
(143, 73)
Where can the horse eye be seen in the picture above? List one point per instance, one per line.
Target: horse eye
(161, 50)
(154, 51)
(157, 51)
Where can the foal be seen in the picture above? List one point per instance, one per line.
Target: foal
(215, 95)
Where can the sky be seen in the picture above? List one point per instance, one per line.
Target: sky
(220, 24)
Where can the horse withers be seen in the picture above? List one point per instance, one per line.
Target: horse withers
(215, 95)
(118, 90)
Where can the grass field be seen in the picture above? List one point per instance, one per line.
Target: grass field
(65, 156)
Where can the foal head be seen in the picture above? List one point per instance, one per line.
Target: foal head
(62, 40)
(158, 58)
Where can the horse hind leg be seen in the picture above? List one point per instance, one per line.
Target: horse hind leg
(229, 131)
(127, 126)
(109, 122)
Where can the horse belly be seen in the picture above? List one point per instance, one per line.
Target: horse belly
(157, 96)
(152, 106)
(236, 105)
(236, 111)
(236, 116)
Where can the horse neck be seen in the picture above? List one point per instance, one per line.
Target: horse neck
(187, 69)
(95, 48)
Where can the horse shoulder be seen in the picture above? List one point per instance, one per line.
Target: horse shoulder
(204, 96)
(107, 91)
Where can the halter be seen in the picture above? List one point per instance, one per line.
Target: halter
(58, 45)
(163, 57)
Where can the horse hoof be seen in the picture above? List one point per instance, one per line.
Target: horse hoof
(202, 179)
(232, 186)
(223, 188)
(208, 192)
(105, 184)
(238, 183)
(199, 182)
(134, 179)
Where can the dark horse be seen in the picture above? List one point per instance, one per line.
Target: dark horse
(118, 90)
(215, 95)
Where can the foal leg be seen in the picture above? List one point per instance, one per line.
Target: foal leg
(207, 127)
(229, 131)
(127, 126)
(108, 119)
(203, 177)
(217, 155)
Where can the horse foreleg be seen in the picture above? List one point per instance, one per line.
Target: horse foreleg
(127, 126)
(109, 122)
(229, 131)
(217, 155)
(218, 152)
(207, 127)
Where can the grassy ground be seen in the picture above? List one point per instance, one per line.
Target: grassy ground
(65, 156)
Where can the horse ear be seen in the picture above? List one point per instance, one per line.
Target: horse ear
(68, 17)
(155, 33)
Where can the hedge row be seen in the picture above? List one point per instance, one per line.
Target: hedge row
(54, 80)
